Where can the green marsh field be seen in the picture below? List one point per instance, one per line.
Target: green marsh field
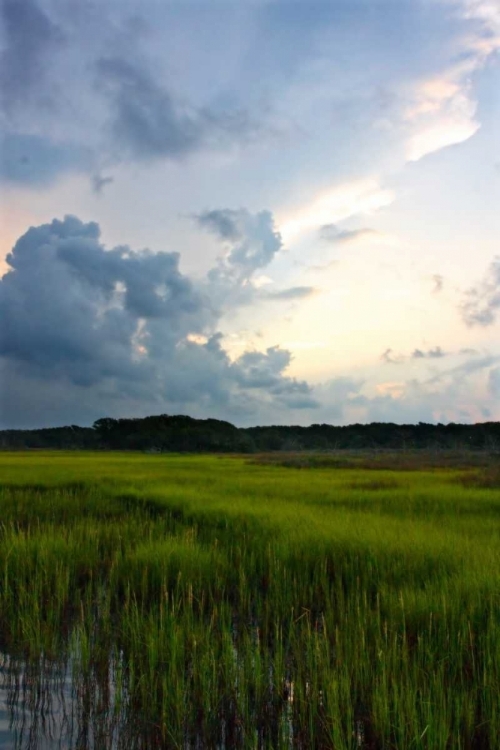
(167, 601)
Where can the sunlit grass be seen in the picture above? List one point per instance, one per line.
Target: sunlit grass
(260, 605)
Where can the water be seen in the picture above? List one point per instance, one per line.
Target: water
(44, 706)
(35, 704)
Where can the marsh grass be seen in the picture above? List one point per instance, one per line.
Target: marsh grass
(210, 602)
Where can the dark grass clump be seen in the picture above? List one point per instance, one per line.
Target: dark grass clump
(382, 460)
(486, 479)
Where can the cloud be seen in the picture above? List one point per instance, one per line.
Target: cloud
(89, 331)
(225, 223)
(487, 12)
(34, 160)
(99, 182)
(331, 233)
(465, 369)
(494, 382)
(333, 206)
(392, 359)
(443, 110)
(264, 370)
(338, 397)
(481, 302)
(294, 292)
(438, 283)
(71, 307)
(250, 241)
(30, 39)
(149, 123)
(145, 119)
(121, 332)
(444, 119)
(462, 393)
(435, 353)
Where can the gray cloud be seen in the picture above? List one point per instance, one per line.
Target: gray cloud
(145, 118)
(294, 292)
(264, 370)
(224, 223)
(251, 242)
(30, 38)
(435, 353)
(467, 368)
(71, 307)
(34, 160)
(481, 303)
(99, 182)
(331, 233)
(113, 328)
(390, 358)
(337, 396)
(451, 395)
(494, 382)
(438, 283)
(69, 106)
(148, 121)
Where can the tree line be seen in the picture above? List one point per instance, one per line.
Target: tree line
(181, 433)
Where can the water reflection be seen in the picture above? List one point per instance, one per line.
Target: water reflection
(44, 705)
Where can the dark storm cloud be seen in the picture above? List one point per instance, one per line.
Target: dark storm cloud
(481, 303)
(30, 36)
(71, 307)
(35, 161)
(120, 331)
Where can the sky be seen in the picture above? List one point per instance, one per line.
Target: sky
(276, 212)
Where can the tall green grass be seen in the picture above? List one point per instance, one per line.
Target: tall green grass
(210, 602)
